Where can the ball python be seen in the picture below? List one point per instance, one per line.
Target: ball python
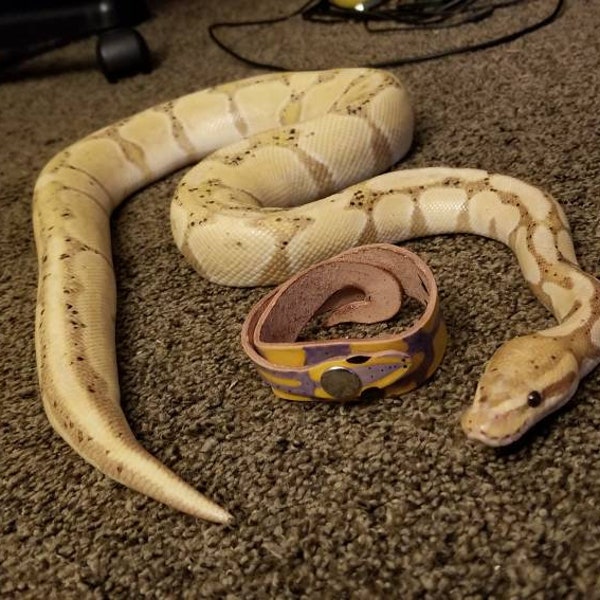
(246, 215)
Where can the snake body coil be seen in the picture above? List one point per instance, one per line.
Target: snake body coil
(274, 143)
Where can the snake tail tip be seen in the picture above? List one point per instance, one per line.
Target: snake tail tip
(215, 514)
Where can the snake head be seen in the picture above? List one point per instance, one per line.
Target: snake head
(526, 379)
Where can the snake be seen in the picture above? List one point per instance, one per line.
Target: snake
(286, 169)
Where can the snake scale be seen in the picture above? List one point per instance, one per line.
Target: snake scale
(246, 215)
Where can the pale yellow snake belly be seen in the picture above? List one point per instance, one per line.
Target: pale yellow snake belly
(241, 218)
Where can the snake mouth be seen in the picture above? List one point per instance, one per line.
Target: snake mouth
(480, 435)
(496, 428)
(493, 429)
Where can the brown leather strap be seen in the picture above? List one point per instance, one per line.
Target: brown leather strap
(362, 285)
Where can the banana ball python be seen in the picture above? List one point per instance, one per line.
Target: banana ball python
(265, 202)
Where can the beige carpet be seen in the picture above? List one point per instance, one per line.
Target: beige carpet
(375, 501)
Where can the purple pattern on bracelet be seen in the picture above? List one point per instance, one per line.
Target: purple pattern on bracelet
(317, 354)
(367, 374)
(420, 341)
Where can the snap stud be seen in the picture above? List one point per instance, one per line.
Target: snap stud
(341, 383)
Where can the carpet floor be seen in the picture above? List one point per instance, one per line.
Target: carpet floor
(381, 500)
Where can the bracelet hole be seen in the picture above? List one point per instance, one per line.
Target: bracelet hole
(371, 394)
(358, 359)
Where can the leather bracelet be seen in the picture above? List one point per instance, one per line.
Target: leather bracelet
(362, 285)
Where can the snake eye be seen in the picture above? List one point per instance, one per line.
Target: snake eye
(534, 399)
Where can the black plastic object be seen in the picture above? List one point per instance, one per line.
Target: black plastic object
(122, 53)
(30, 27)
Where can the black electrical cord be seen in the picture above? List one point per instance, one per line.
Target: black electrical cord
(471, 12)
(212, 28)
(421, 14)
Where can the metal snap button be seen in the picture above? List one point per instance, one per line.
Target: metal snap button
(341, 383)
